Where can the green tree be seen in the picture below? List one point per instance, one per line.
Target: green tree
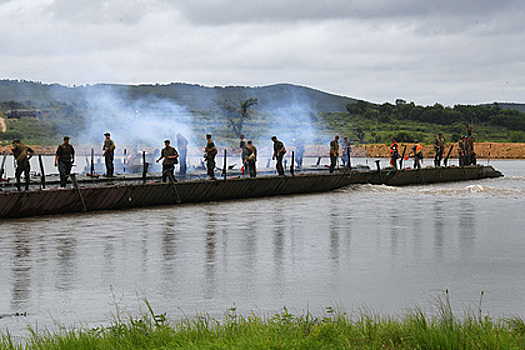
(360, 134)
(235, 116)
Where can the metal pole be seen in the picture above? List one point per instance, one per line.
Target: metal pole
(379, 170)
(77, 190)
(2, 169)
(92, 161)
(292, 164)
(445, 162)
(124, 161)
(348, 160)
(402, 158)
(144, 167)
(225, 165)
(42, 172)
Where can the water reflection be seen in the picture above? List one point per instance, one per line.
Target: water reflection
(467, 222)
(278, 246)
(438, 227)
(169, 247)
(209, 264)
(66, 256)
(335, 227)
(394, 231)
(21, 273)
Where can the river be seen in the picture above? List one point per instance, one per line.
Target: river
(379, 248)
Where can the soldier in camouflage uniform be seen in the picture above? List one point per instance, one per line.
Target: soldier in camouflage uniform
(170, 156)
(210, 151)
(278, 154)
(64, 159)
(334, 152)
(251, 158)
(22, 155)
(109, 154)
(439, 149)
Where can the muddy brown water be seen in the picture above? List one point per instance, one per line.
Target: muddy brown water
(366, 247)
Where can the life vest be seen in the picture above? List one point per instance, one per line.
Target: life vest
(393, 147)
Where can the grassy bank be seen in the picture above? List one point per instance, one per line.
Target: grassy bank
(333, 330)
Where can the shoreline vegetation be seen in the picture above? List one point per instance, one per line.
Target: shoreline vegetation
(284, 330)
(484, 150)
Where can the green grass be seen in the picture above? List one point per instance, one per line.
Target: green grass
(284, 330)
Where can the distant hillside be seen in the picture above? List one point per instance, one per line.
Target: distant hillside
(520, 107)
(192, 96)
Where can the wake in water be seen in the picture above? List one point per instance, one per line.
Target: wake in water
(450, 189)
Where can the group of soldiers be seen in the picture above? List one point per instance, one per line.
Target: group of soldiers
(466, 153)
(65, 155)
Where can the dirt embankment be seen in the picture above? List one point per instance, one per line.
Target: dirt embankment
(3, 125)
(483, 150)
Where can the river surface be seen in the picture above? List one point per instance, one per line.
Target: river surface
(379, 248)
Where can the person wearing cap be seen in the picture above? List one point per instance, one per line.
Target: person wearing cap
(64, 159)
(417, 150)
(394, 153)
(22, 155)
(334, 152)
(278, 154)
(170, 156)
(251, 158)
(439, 149)
(210, 151)
(109, 154)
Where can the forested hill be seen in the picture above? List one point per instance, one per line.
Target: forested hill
(229, 111)
(192, 96)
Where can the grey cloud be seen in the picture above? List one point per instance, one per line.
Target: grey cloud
(220, 12)
(126, 12)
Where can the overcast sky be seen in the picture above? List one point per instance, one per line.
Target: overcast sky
(445, 51)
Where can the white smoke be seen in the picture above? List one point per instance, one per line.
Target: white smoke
(144, 122)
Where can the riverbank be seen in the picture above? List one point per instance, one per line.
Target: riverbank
(284, 330)
(484, 150)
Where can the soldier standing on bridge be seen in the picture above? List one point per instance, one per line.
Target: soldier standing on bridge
(334, 152)
(210, 151)
(22, 155)
(278, 154)
(251, 158)
(439, 148)
(394, 153)
(417, 150)
(109, 154)
(64, 159)
(170, 156)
